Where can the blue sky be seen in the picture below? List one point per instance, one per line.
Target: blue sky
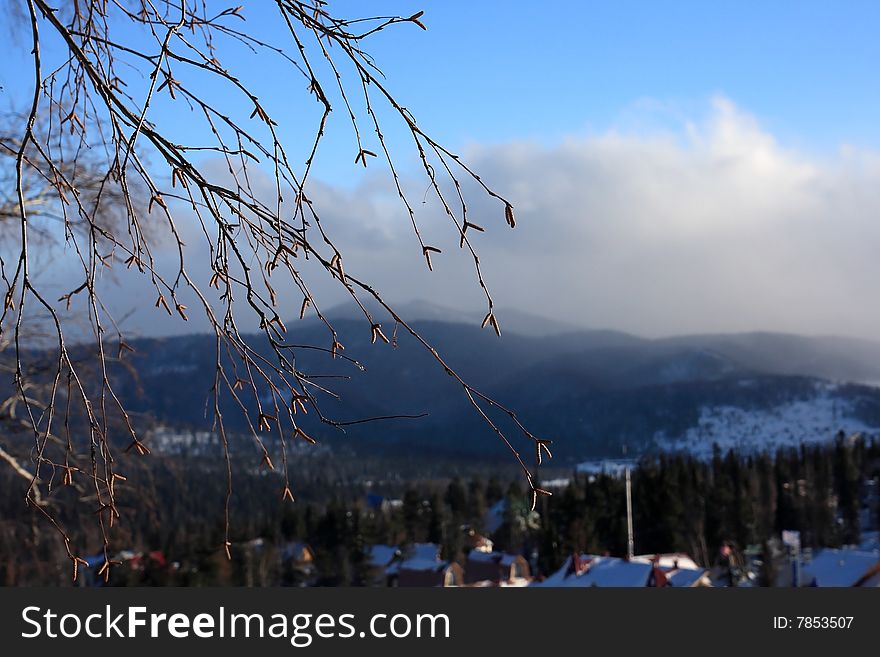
(497, 71)
(493, 71)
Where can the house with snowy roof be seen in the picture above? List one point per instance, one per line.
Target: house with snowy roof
(842, 568)
(675, 569)
(582, 570)
(420, 565)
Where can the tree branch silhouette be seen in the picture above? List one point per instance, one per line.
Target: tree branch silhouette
(93, 172)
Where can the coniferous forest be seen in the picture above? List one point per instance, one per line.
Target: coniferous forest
(172, 511)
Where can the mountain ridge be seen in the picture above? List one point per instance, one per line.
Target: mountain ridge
(588, 390)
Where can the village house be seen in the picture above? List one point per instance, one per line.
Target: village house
(420, 565)
(842, 568)
(670, 570)
(496, 569)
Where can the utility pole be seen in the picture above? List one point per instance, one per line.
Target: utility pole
(630, 552)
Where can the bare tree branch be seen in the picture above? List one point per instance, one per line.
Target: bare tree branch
(94, 173)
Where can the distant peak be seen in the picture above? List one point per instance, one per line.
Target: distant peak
(422, 310)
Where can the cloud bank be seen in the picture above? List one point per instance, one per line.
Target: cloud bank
(711, 227)
(708, 226)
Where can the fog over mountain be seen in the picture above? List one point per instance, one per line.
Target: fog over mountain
(835, 358)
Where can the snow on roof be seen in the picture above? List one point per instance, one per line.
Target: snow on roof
(418, 556)
(380, 555)
(558, 578)
(670, 560)
(685, 577)
(616, 572)
(839, 567)
(602, 571)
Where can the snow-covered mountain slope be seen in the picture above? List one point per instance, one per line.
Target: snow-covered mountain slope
(815, 419)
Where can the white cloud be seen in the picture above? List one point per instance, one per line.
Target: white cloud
(713, 226)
